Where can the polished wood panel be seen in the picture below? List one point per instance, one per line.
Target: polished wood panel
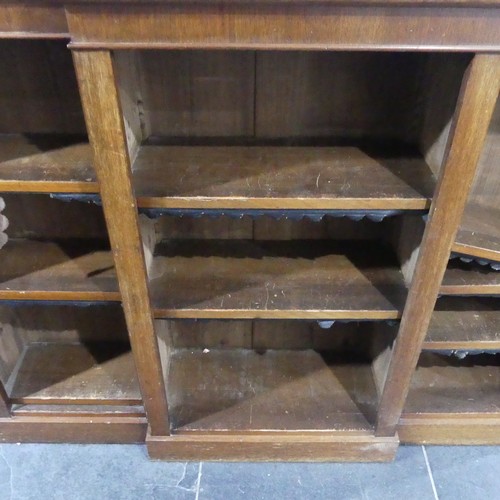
(436, 3)
(74, 270)
(243, 391)
(339, 95)
(312, 26)
(44, 165)
(71, 429)
(281, 178)
(101, 104)
(55, 373)
(246, 279)
(464, 323)
(469, 129)
(33, 21)
(450, 429)
(275, 447)
(470, 279)
(190, 94)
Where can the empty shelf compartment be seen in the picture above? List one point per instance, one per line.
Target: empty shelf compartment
(55, 251)
(222, 130)
(65, 355)
(262, 383)
(43, 140)
(465, 323)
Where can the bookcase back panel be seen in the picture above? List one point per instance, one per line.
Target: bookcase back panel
(267, 228)
(279, 94)
(42, 217)
(38, 89)
(354, 337)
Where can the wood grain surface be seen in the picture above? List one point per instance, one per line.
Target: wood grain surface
(112, 163)
(280, 178)
(74, 270)
(465, 323)
(357, 446)
(243, 391)
(33, 21)
(246, 279)
(296, 26)
(55, 373)
(445, 384)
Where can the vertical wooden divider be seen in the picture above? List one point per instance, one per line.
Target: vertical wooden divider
(102, 109)
(476, 103)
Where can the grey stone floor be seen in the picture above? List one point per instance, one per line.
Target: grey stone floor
(34, 471)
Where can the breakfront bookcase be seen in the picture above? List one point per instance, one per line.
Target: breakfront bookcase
(260, 230)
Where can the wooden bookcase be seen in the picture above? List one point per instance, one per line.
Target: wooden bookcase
(233, 225)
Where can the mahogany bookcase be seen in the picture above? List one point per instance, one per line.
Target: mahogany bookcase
(250, 230)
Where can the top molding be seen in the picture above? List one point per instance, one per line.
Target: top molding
(379, 3)
(291, 26)
(424, 25)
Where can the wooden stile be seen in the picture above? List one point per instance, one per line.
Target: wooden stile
(112, 164)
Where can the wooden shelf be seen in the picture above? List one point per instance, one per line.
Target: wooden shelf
(320, 178)
(64, 270)
(465, 324)
(288, 279)
(232, 177)
(46, 164)
(278, 390)
(75, 373)
(479, 235)
(470, 279)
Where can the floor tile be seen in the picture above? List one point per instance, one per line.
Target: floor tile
(118, 472)
(465, 472)
(404, 479)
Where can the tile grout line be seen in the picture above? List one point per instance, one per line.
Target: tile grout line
(198, 482)
(429, 471)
